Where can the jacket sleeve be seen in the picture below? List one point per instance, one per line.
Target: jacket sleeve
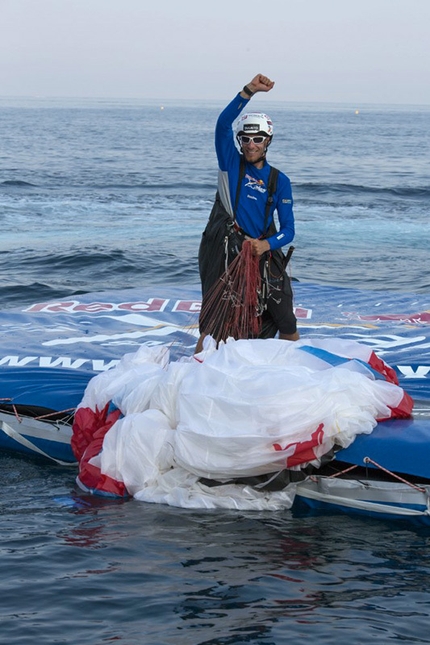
(226, 150)
(284, 207)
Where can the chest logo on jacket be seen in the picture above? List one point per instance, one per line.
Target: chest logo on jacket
(255, 184)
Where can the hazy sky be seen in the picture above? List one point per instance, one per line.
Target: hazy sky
(355, 51)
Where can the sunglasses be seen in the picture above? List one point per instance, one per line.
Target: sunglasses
(245, 139)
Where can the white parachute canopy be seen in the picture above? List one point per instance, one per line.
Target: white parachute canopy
(248, 408)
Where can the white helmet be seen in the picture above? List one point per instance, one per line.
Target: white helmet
(253, 123)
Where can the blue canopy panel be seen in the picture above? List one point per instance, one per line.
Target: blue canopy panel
(53, 388)
(399, 445)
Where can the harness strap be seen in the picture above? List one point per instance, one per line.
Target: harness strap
(271, 188)
(239, 183)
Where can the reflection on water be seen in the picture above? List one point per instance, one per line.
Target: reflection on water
(142, 573)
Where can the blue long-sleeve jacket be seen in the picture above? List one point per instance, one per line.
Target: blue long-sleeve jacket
(253, 194)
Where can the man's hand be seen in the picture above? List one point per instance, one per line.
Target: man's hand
(259, 246)
(261, 83)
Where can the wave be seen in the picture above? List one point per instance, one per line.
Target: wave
(16, 182)
(306, 188)
(75, 183)
(16, 294)
(28, 276)
(157, 186)
(417, 192)
(90, 258)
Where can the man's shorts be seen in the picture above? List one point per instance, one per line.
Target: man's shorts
(279, 315)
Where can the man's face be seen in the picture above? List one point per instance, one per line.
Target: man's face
(253, 146)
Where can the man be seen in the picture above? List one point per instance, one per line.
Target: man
(244, 198)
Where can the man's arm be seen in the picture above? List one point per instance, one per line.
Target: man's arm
(224, 141)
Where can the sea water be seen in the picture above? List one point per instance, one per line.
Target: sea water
(101, 195)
